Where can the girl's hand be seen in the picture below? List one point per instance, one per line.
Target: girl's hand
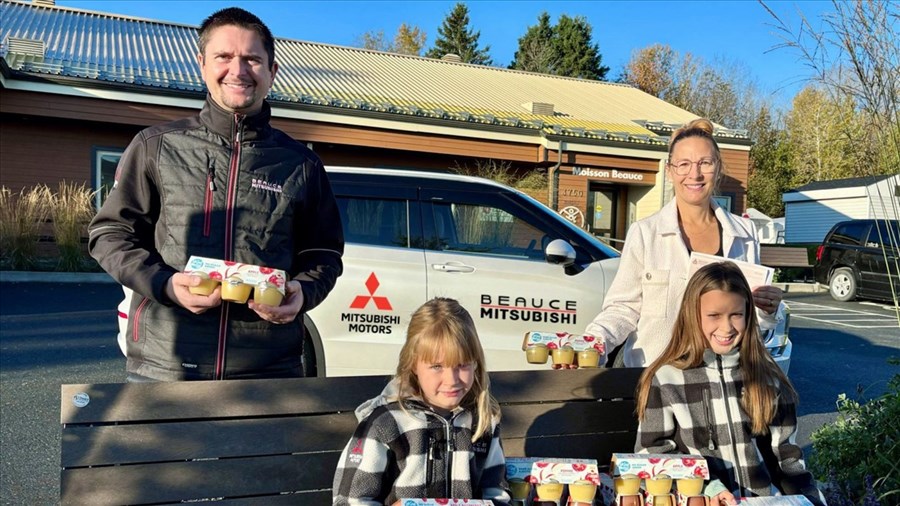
(725, 497)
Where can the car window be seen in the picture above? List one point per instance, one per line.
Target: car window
(885, 234)
(851, 233)
(375, 221)
(483, 228)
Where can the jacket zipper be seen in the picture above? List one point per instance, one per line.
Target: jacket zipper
(230, 196)
(448, 466)
(738, 467)
(137, 317)
(208, 201)
(707, 399)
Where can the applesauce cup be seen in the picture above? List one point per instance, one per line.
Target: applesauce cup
(519, 489)
(660, 484)
(550, 491)
(206, 286)
(268, 294)
(537, 353)
(582, 491)
(662, 500)
(627, 484)
(689, 487)
(563, 356)
(234, 290)
(588, 358)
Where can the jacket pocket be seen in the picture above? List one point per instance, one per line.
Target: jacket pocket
(655, 293)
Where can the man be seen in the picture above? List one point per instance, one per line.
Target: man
(224, 185)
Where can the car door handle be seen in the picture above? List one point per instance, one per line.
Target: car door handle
(452, 267)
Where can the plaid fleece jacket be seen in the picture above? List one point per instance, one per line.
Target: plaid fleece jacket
(397, 454)
(698, 411)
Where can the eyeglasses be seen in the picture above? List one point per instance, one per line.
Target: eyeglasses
(683, 167)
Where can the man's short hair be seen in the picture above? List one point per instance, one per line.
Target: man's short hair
(235, 16)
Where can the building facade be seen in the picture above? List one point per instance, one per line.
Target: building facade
(76, 86)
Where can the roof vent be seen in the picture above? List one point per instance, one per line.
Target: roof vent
(452, 58)
(539, 108)
(29, 47)
(43, 2)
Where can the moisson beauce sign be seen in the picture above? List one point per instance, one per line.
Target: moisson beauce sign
(612, 174)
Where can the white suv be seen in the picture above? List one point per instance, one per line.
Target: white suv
(412, 235)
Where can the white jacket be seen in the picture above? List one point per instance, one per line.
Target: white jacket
(645, 296)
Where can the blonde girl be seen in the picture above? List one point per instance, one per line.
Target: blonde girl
(434, 430)
(715, 391)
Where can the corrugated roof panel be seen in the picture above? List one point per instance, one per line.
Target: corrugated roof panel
(122, 49)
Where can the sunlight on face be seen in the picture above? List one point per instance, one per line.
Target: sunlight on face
(444, 385)
(695, 187)
(723, 319)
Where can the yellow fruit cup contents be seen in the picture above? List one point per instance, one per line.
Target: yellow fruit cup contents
(537, 354)
(582, 491)
(268, 294)
(588, 358)
(627, 484)
(234, 290)
(550, 491)
(689, 487)
(658, 485)
(206, 286)
(662, 500)
(519, 488)
(563, 356)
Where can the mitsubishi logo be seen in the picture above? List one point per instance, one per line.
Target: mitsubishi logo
(361, 301)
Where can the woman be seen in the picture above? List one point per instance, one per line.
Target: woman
(644, 298)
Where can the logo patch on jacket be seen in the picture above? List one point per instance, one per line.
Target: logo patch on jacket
(481, 446)
(356, 453)
(265, 185)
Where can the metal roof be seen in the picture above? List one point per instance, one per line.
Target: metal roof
(841, 183)
(48, 41)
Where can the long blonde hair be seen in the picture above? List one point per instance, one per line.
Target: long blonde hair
(703, 128)
(442, 328)
(763, 379)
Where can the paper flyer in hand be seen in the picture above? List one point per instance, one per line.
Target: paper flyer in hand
(757, 275)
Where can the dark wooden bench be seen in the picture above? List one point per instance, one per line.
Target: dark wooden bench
(781, 256)
(277, 442)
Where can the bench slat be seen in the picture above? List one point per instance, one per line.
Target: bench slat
(588, 446)
(148, 443)
(114, 402)
(534, 420)
(784, 257)
(173, 482)
(566, 385)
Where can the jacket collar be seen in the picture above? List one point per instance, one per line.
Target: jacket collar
(669, 224)
(730, 360)
(224, 123)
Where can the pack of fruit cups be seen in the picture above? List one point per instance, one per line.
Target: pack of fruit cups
(688, 472)
(237, 280)
(585, 350)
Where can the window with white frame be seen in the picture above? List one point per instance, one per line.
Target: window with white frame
(105, 161)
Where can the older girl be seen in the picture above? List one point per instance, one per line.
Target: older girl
(434, 430)
(715, 391)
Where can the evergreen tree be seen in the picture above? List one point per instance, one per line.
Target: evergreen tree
(536, 52)
(455, 36)
(578, 57)
(564, 49)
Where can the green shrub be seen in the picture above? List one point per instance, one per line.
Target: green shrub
(858, 456)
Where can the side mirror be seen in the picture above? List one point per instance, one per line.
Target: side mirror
(559, 252)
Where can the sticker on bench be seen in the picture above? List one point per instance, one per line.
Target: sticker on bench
(81, 399)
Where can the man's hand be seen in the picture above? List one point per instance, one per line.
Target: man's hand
(289, 308)
(178, 291)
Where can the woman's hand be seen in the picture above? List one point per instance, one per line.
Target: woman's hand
(767, 298)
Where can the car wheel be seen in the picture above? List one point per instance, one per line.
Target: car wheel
(843, 285)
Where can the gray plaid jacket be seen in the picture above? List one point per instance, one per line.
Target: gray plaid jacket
(698, 411)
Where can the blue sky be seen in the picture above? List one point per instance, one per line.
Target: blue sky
(734, 31)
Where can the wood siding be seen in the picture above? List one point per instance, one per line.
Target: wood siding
(734, 183)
